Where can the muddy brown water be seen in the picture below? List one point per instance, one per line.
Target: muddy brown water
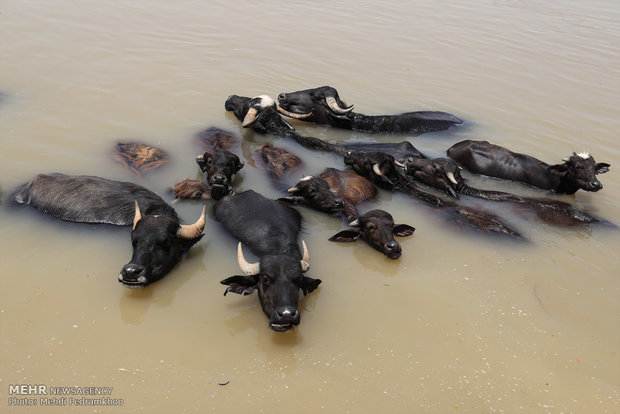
(460, 323)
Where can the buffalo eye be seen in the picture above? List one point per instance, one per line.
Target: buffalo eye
(371, 227)
(266, 279)
(209, 161)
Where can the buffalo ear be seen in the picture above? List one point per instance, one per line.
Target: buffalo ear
(558, 169)
(345, 236)
(308, 284)
(402, 230)
(187, 243)
(201, 163)
(242, 285)
(602, 167)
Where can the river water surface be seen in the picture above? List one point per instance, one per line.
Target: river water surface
(460, 323)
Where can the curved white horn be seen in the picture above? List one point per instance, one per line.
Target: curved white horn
(250, 117)
(137, 216)
(293, 189)
(191, 231)
(333, 105)
(399, 164)
(376, 169)
(246, 267)
(305, 260)
(451, 178)
(293, 114)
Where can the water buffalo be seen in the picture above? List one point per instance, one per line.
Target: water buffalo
(159, 241)
(439, 173)
(576, 172)
(139, 157)
(377, 228)
(217, 164)
(219, 168)
(444, 174)
(270, 230)
(333, 191)
(323, 106)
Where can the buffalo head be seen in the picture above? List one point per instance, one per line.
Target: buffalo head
(440, 173)
(379, 167)
(316, 105)
(219, 168)
(377, 228)
(159, 242)
(258, 113)
(315, 192)
(579, 171)
(278, 279)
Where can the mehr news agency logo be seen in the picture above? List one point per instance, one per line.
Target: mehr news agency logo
(30, 395)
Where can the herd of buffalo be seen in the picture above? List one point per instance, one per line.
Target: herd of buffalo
(270, 228)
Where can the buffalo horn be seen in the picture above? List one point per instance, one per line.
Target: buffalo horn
(191, 231)
(292, 189)
(293, 114)
(250, 117)
(305, 260)
(137, 216)
(333, 105)
(247, 268)
(377, 170)
(451, 178)
(399, 164)
(354, 223)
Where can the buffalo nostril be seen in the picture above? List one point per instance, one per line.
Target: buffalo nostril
(338, 204)
(596, 184)
(282, 96)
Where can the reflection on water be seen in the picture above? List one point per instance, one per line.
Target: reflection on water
(461, 322)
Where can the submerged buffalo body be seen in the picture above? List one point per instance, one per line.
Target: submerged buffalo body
(159, 241)
(323, 106)
(576, 172)
(270, 230)
(276, 160)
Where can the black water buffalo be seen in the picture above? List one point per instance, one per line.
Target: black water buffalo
(219, 168)
(270, 229)
(217, 164)
(259, 113)
(439, 173)
(444, 174)
(333, 191)
(576, 172)
(159, 241)
(377, 228)
(323, 106)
